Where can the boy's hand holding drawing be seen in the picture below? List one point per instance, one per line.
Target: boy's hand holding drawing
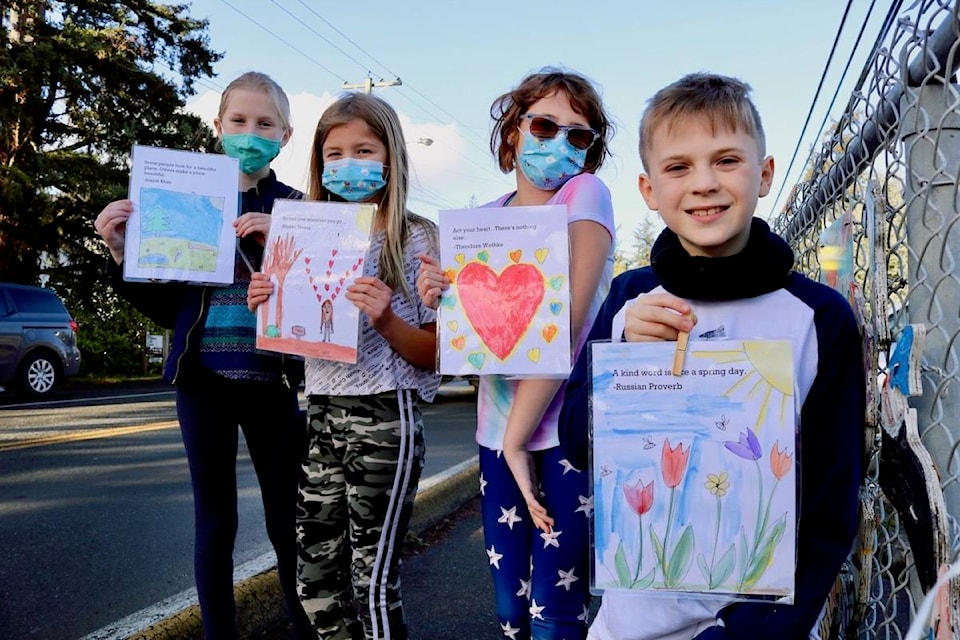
(658, 316)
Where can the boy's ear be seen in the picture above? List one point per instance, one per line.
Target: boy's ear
(766, 175)
(217, 127)
(646, 190)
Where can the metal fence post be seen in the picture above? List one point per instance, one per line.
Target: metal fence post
(930, 132)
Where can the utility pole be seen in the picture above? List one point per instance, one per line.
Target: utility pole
(368, 84)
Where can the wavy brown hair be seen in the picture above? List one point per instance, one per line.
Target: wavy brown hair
(509, 108)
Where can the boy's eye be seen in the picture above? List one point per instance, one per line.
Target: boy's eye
(674, 168)
(729, 160)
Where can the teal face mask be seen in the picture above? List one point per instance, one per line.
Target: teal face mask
(253, 152)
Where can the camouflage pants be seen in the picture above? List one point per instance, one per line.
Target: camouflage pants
(357, 488)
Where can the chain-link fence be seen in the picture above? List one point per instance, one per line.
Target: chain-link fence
(877, 215)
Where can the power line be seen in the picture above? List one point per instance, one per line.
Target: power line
(320, 35)
(816, 95)
(304, 54)
(466, 128)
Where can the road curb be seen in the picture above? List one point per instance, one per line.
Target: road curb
(260, 607)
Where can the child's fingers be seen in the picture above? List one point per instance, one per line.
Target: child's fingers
(538, 513)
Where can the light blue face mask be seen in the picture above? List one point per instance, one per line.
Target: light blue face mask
(253, 152)
(549, 163)
(353, 179)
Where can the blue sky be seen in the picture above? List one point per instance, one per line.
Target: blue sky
(454, 59)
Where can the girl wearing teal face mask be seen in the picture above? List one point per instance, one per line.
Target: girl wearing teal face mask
(216, 370)
(365, 428)
(552, 132)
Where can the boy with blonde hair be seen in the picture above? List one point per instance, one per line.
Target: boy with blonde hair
(718, 272)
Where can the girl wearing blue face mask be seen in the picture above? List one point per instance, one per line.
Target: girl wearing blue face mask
(553, 132)
(214, 365)
(365, 430)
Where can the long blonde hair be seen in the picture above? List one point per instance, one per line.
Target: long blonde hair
(392, 214)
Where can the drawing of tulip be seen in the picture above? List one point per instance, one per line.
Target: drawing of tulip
(640, 499)
(756, 557)
(717, 572)
(674, 564)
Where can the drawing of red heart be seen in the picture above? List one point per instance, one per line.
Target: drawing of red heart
(307, 260)
(500, 308)
(333, 252)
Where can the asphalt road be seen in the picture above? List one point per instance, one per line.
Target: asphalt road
(96, 515)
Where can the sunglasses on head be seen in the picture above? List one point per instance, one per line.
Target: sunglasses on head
(544, 128)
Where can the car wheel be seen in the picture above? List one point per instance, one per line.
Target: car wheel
(39, 375)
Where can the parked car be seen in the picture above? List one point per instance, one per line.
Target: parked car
(38, 340)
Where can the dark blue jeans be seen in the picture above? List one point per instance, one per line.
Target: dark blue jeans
(210, 411)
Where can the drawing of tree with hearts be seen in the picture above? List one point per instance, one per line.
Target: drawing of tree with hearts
(280, 258)
(328, 283)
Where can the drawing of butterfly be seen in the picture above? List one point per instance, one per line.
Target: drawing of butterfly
(605, 470)
(648, 442)
(722, 422)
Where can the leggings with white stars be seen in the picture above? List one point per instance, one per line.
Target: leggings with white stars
(541, 581)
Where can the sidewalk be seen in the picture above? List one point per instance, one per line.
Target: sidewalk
(259, 604)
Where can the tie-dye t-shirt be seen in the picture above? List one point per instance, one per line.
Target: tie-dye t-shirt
(587, 198)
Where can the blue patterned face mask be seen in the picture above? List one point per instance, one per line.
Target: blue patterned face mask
(353, 179)
(549, 163)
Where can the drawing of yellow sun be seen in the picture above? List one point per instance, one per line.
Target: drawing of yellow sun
(771, 373)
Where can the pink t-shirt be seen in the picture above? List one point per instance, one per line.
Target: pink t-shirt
(587, 198)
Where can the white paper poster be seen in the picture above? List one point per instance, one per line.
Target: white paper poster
(507, 310)
(184, 204)
(694, 476)
(314, 251)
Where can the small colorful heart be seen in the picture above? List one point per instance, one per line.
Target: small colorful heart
(483, 256)
(459, 342)
(556, 307)
(477, 358)
(333, 252)
(556, 282)
(515, 255)
(453, 325)
(448, 301)
(307, 259)
(541, 254)
(549, 332)
(451, 275)
(534, 355)
(330, 263)
(459, 258)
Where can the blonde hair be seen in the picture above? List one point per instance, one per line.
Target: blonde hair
(392, 213)
(256, 81)
(724, 101)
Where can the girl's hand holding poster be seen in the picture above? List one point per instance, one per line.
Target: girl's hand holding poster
(314, 251)
(507, 310)
(694, 476)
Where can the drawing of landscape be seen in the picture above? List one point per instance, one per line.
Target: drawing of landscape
(179, 230)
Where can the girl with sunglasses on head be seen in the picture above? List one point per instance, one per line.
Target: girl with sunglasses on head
(553, 131)
(365, 429)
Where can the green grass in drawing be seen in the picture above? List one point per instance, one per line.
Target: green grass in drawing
(179, 230)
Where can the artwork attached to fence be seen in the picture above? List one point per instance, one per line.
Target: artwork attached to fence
(314, 251)
(507, 310)
(694, 476)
